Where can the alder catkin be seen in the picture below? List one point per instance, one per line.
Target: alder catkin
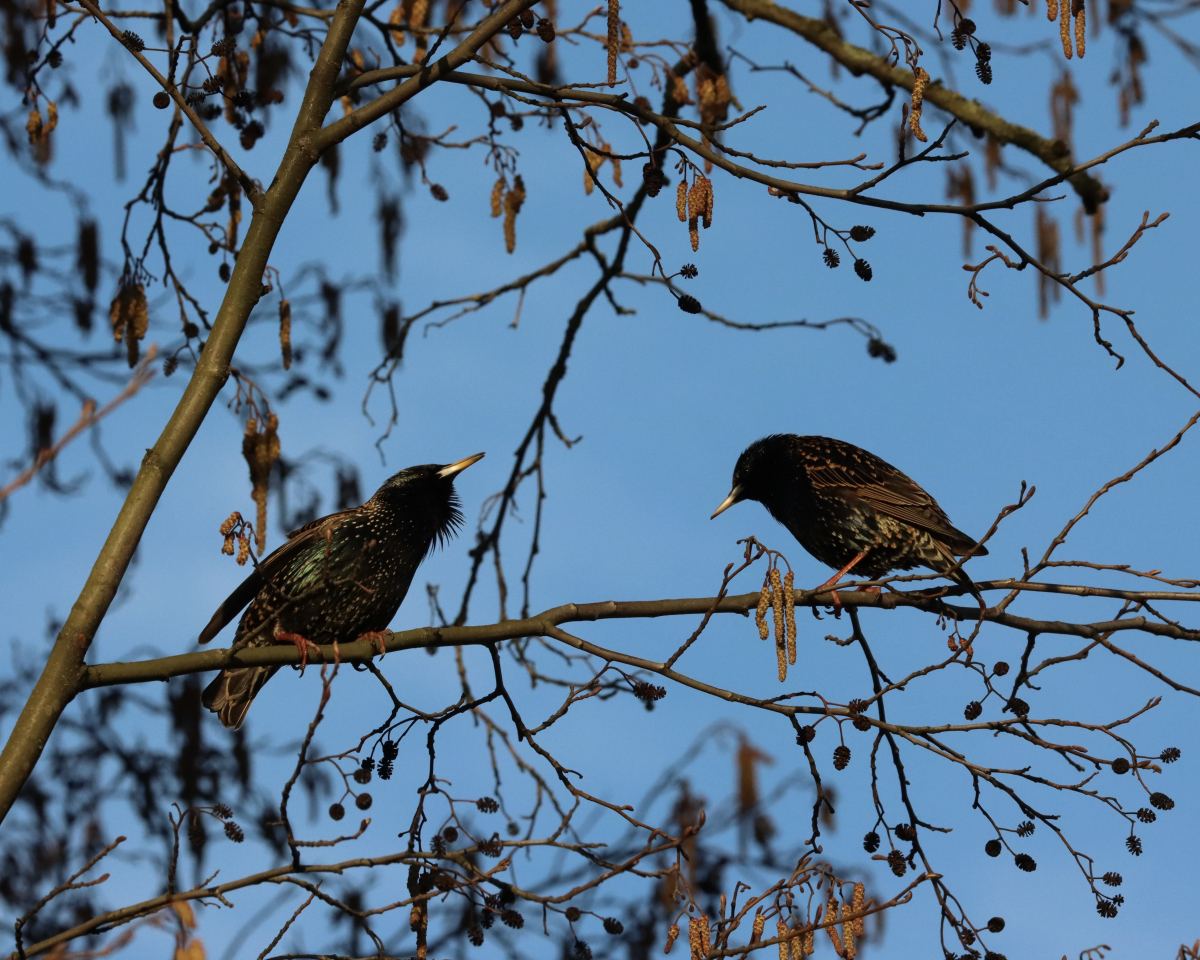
(831, 915)
(1064, 27)
(764, 601)
(395, 19)
(614, 39)
(760, 923)
(781, 930)
(1080, 26)
(789, 615)
(681, 199)
(285, 332)
(698, 936)
(498, 197)
(512, 206)
(672, 936)
(920, 81)
(679, 90)
(780, 629)
(700, 201)
(856, 905)
(1052, 9)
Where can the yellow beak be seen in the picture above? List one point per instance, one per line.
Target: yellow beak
(728, 502)
(459, 466)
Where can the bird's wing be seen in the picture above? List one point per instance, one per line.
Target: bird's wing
(268, 568)
(891, 492)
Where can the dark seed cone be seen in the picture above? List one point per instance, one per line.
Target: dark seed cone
(336, 578)
(653, 178)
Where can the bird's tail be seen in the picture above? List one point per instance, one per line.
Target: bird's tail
(960, 576)
(229, 696)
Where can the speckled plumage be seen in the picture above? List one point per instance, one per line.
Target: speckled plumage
(336, 578)
(838, 500)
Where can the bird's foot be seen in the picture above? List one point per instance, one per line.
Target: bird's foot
(303, 644)
(837, 601)
(376, 637)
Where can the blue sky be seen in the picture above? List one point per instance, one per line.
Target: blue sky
(977, 402)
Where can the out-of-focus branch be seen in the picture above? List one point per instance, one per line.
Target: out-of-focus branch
(210, 141)
(88, 417)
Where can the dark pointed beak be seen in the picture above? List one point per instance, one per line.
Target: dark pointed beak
(735, 496)
(459, 466)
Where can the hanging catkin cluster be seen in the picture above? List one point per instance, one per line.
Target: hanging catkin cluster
(799, 946)
(130, 317)
(594, 162)
(412, 12)
(698, 936)
(1063, 11)
(694, 205)
(236, 529)
(777, 595)
(920, 82)
(508, 200)
(712, 91)
(261, 449)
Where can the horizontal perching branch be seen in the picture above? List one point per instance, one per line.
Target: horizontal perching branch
(547, 624)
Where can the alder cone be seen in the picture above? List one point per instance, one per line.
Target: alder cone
(653, 178)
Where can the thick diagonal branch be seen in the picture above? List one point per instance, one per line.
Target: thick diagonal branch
(65, 668)
(1054, 153)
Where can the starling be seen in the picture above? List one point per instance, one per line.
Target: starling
(848, 508)
(336, 578)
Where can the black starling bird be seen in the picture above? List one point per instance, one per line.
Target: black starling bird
(848, 508)
(336, 578)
